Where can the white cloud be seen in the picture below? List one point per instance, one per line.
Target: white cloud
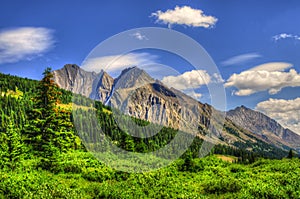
(139, 36)
(185, 15)
(285, 36)
(286, 112)
(239, 59)
(269, 77)
(272, 66)
(187, 80)
(190, 81)
(24, 43)
(192, 93)
(114, 64)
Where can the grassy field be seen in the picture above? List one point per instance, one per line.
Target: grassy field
(79, 175)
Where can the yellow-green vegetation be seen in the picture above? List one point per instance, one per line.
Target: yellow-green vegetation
(16, 94)
(71, 106)
(105, 110)
(80, 175)
(227, 158)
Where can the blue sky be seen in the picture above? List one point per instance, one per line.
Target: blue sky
(238, 35)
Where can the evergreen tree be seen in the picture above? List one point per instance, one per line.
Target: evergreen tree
(291, 154)
(11, 148)
(189, 164)
(50, 129)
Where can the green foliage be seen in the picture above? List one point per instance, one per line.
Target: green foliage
(189, 163)
(222, 186)
(48, 129)
(11, 148)
(80, 175)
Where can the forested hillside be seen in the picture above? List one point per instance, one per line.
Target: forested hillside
(42, 156)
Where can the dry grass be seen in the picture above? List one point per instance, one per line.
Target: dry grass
(230, 159)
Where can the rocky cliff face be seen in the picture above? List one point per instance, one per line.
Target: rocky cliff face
(137, 94)
(263, 126)
(90, 84)
(102, 87)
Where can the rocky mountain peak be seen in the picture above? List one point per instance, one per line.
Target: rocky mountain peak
(71, 67)
(132, 77)
(242, 108)
(90, 84)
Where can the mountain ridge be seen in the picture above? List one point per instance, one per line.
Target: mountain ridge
(137, 94)
(266, 128)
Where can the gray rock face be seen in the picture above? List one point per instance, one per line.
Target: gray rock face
(102, 87)
(90, 84)
(137, 94)
(265, 127)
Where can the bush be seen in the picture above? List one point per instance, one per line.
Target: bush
(221, 186)
(97, 174)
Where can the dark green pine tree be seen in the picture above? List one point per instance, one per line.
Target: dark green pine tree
(291, 154)
(49, 131)
(11, 148)
(189, 164)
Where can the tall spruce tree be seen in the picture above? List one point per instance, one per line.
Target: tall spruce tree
(11, 148)
(49, 130)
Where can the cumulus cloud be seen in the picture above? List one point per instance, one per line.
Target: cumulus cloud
(115, 63)
(139, 36)
(185, 15)
(24, 43)
(285, 36)
(191, 80)
(239, 59)
(269, 77)
(286, 112)
(187, 80)
(272, 66)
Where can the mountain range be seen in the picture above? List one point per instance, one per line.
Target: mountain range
(136, 93)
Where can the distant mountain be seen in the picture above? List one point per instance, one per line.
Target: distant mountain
(137, 94)
(264, 126)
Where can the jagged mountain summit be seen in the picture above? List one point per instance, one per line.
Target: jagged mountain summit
(97, 86)
(132, 78)
(264, 126)
(136, 93)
